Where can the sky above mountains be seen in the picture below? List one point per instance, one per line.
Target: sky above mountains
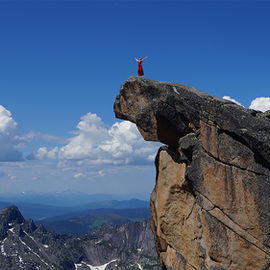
(62, 64)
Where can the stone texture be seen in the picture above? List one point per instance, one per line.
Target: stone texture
(211, 204)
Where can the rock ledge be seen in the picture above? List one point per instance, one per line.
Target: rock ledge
(211, 204)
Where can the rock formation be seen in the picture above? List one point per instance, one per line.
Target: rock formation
(211, 202)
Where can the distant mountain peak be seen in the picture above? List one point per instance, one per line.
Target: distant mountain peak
(11, 215)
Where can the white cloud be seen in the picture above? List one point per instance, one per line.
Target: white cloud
(7, 125)
(78, 175)
(90, 133)
(9, 138)
(101, 173)
(260, 104)
(93, 141)
(43, 152)
(151, 157)
(233, 100)
(47, 176)
(124, 140)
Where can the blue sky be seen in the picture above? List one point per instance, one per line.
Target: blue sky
(62, 64)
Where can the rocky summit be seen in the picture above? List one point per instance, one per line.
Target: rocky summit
(211, 202)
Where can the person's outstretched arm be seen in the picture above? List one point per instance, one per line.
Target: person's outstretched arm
(136, 59)
(144, 58)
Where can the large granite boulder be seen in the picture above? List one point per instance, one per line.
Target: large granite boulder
(211, 202)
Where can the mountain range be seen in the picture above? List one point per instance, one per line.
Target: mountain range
(82, 219)
(82, 222)
(23, 245)
(68, 198)
(38, 211)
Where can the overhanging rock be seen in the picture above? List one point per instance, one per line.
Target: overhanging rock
(211, 204)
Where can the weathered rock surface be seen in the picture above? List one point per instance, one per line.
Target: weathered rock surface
(211, 203)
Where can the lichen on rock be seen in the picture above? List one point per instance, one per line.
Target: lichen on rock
(210, 205)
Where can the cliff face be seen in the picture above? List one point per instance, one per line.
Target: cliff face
(211, 202)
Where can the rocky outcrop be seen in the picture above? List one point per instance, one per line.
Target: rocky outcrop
(211, 202)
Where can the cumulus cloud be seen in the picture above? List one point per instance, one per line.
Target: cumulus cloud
(43, 152)
(260, 104)
(126, 143)
(9, 137)
(93, 141)
(233, 100)
(90, 132)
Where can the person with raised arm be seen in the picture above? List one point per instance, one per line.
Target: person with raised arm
(140, 68)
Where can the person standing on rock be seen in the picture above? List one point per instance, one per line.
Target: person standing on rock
(140, 69)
